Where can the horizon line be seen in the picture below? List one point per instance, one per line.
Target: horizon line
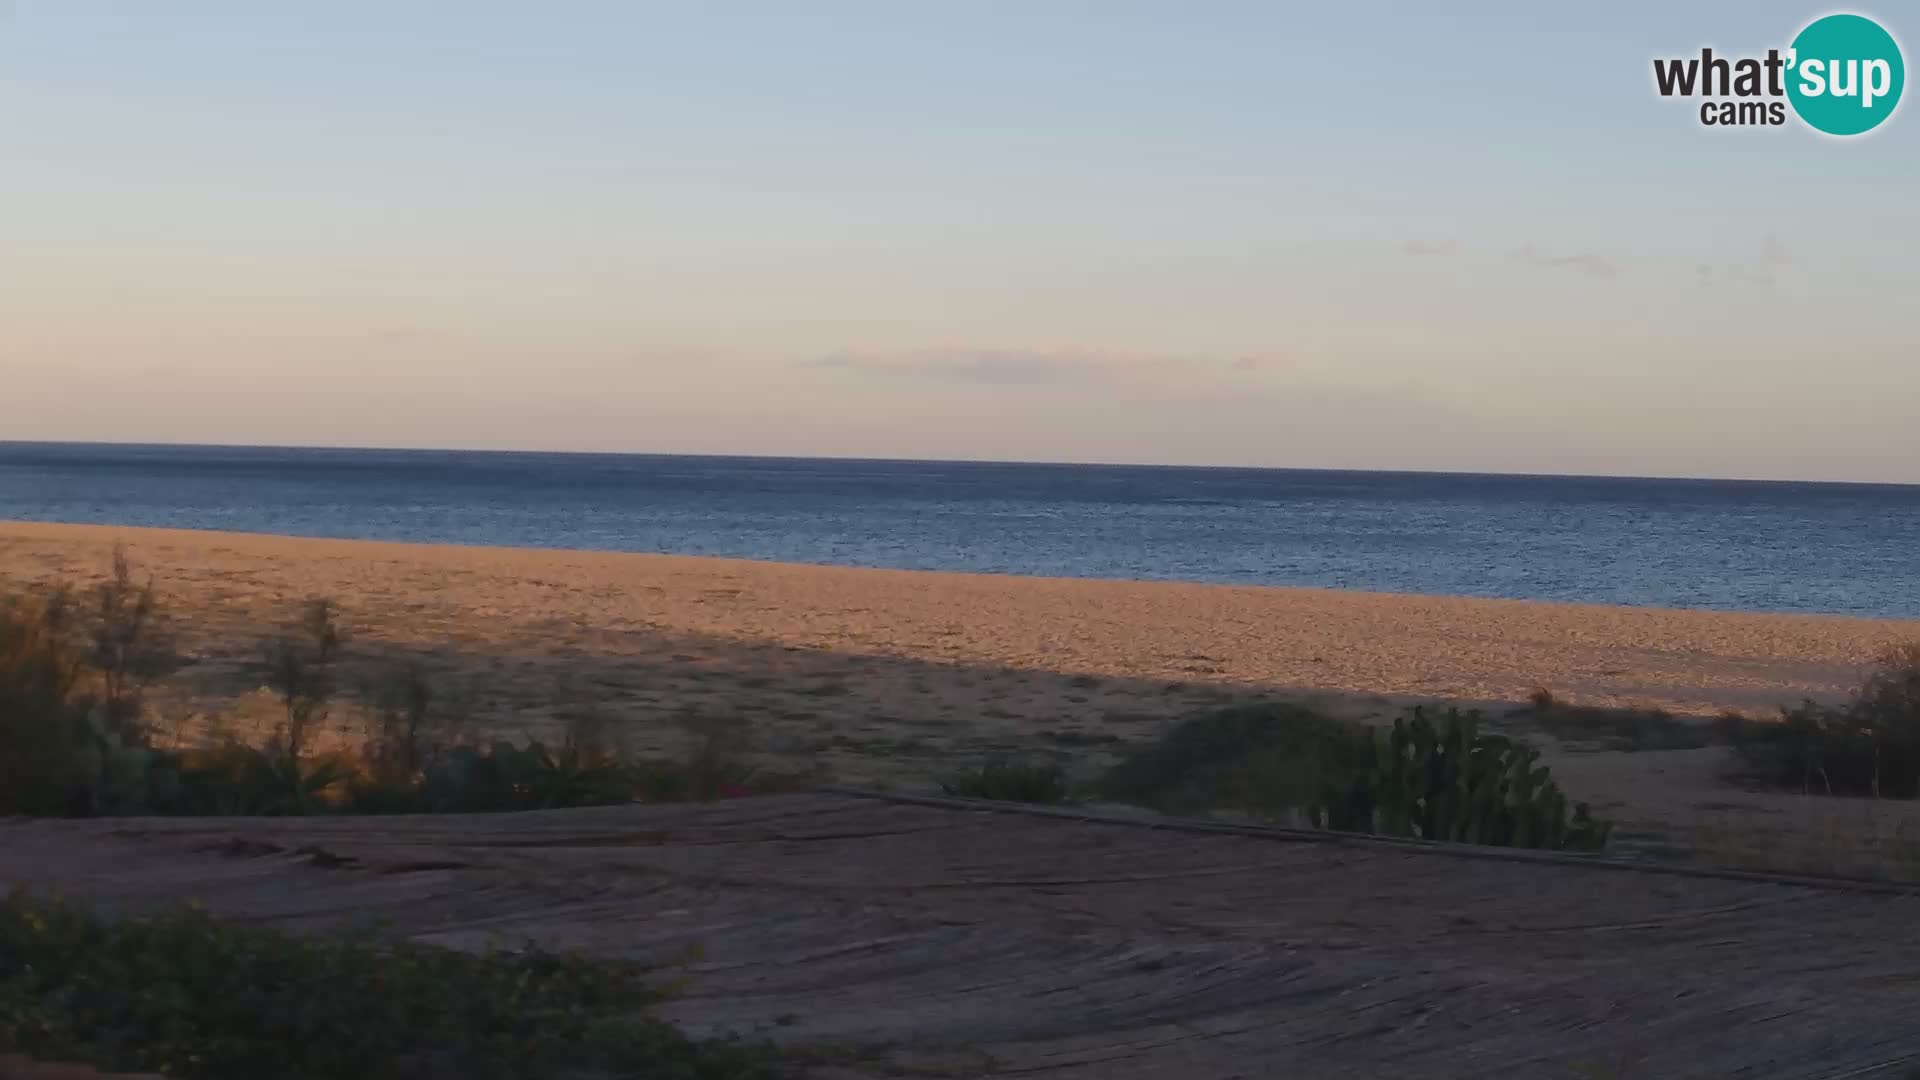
(1516, 474)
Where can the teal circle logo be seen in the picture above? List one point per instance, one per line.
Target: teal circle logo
(1845, 74)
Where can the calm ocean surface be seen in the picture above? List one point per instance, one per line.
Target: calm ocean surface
(1736, 545)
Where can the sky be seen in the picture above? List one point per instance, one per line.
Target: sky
(1360, 235)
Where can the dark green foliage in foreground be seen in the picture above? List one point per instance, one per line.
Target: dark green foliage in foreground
(1449, 782)
(46, 762)
(192, 997)
(1446, 782)
(1010, 781)
(1868, 746)
(237, 779)
(74, 665)
(505, 777)
(1267, 759)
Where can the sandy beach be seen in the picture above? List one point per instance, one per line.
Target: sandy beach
(891, 677)
(512, 607)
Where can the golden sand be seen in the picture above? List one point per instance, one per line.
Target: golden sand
(505, 607)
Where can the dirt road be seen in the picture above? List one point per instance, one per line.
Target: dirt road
(1015, 944)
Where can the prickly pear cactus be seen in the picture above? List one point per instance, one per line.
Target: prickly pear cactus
(1449, 782)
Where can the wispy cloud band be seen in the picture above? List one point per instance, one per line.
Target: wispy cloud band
(1034, 365)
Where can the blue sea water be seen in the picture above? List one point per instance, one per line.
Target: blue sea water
(1734, 545)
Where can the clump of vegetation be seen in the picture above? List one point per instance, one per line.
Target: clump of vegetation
(579, 771)
(1449, 782)
(44, 714)
(1870, 745)
(411, 715)
(717, 768)
(1265, 759)
(1010, 780)
(73, 669)
(299, 667)
(126, 643)
(197, 999)
(1445, 782)
(1613, 729)
(238, 779)
(72, 679)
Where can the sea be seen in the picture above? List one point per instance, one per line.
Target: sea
(1719, 544)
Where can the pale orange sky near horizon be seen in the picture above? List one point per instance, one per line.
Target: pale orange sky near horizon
(1094, 233)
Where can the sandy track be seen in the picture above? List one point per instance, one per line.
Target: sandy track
(1011, 944)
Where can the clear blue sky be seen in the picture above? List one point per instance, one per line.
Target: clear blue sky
(1404, 235)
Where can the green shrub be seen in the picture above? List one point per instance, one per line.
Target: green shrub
(298, 664)
(45, 711)
(530, 777)
(1267, 759)
(1449, 782)
(125, 643)
(1868, 746)
(198, 999)
(73, 669)
(236, 779)
(410, 715)
(717, 769)
(1010, 780)
(578, 772)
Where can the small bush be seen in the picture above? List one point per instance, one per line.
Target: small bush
(1868, 746)
(585, 768)
(126, 645)
(1010, 781)
(46, 764)
(1267, 759)
(410, 715)
(299, 666)
(198, 999)
(508, 777)
(236, 779)
(716, 769)
(74, 666)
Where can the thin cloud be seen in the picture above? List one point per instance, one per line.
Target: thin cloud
(1591, 265)
(1757, 269)
(1032, 366)
(1420, 248)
